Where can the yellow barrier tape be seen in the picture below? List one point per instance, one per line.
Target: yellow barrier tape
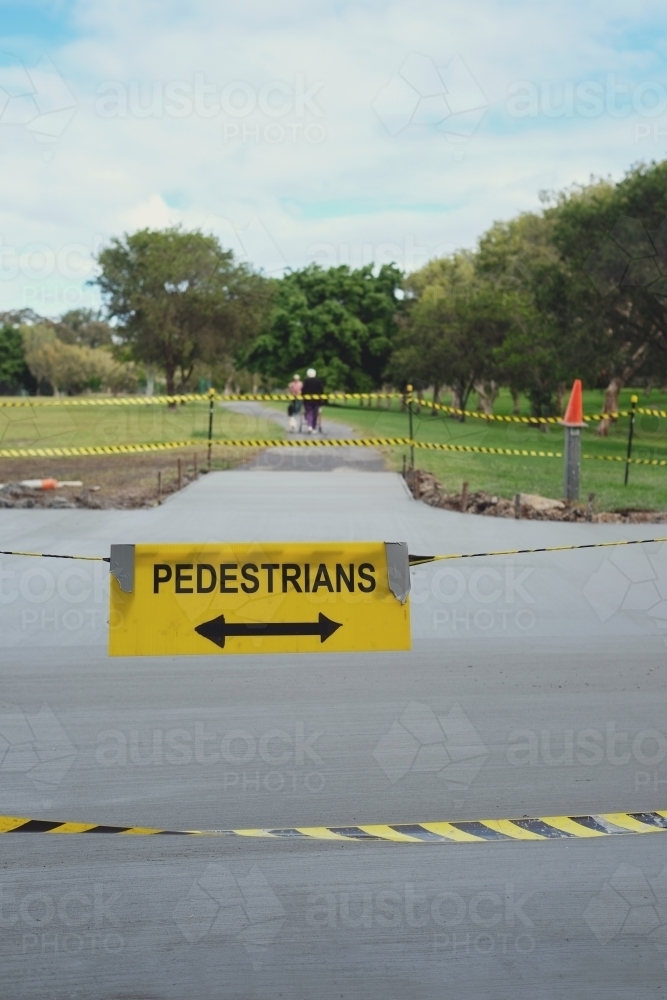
(631, 461)
(527, 453)
(420, 560)
(535, 421)
(192, 397)
(86, 401)
(477, 414)
(189, 397)
(417, 560)
(480, 449)
(136, 449)
(52, 555)
(444, 832)
(79, 451)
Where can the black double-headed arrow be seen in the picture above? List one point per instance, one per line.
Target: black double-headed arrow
(217, 630)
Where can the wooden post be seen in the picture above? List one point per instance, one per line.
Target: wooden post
(464, 498)
(179, 474)
(517, 506)
(589, 507)
(159, 487)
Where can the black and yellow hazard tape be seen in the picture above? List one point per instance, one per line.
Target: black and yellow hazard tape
(53, 555)
(75, 451)
(139, 448)
(420, 560)
(453, 832)
(481, 450)
(194, 397)
(79, 451)
(631, 461)
(480, 415)
(534, 421)
(188, 397)
(414, 560)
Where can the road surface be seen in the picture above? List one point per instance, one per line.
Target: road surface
(535, 686)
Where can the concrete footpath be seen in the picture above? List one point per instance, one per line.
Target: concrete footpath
(305, 460)
(535, 686)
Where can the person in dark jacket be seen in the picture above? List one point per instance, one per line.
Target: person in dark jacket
(313, 386)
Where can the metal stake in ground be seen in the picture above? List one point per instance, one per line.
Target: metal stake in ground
(211, 404)
(408, 389)
(631, 434)
(573, 421)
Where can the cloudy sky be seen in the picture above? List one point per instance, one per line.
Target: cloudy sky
(333, 132)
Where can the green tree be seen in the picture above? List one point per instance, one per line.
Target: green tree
(454, 320)
(73, 368)
(612, 240)
(14, 372)
(84, 327)
(546, 346)
(342, 322)
(179, 299)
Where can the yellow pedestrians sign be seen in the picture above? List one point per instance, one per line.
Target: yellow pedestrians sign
(168, 600)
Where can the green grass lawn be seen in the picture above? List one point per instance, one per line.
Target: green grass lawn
(504, 475)
(507, 475)
(64, 426)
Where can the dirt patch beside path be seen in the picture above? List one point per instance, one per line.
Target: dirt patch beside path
(425, 487)
(109, 481)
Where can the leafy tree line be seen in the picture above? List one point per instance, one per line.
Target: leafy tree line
(70, 355)
(575, 289)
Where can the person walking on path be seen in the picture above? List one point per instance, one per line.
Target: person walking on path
(295, 389)
(313, 386)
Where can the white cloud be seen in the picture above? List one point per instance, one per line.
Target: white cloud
(311, 172)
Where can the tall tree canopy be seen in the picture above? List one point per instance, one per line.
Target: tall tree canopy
(179, 299)
(613, 241)
(340, 321)
(454, 320)
(547, 345)
(14, 372)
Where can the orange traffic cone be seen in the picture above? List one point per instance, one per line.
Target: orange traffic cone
(574, 414)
